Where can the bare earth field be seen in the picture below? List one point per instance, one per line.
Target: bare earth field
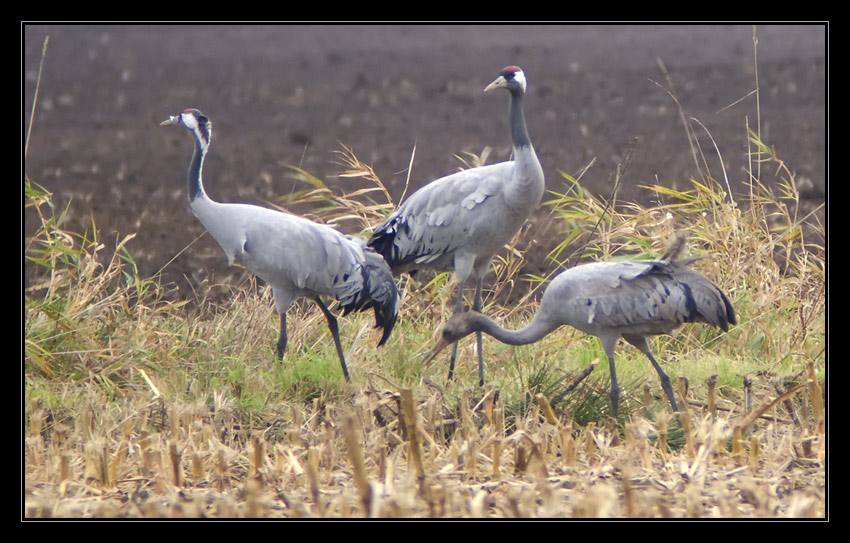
(291, 95)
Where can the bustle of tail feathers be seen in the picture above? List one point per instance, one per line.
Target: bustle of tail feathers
(384, 293)
(379, 292)
(711, 303)
(383, 239)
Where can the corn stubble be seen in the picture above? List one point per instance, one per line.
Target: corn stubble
(354, 464)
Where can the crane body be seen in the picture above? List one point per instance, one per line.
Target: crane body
(460, 221)
(295, 256)
(610, 300)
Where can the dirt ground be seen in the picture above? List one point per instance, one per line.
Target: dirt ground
(291, 95)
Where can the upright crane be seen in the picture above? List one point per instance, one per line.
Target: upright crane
(460, 221)
(297, 257)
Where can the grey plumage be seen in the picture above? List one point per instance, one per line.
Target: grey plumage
(295, 256)
(610, 300)
(462, 220)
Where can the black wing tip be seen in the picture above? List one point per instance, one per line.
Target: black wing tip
(387, 303)
(725, 313)
(386, 314)
(381, 293)
(386, 321)
(382, 243)
(730, 312)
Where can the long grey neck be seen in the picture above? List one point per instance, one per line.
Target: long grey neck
(533, 331)
(519, 134)
(525, 192)
(196, 185)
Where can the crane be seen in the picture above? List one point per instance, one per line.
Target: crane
(460, 221)
(629, 299)
(295, 256)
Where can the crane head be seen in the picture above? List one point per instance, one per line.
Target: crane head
(457, 327)
(511, 78)
(194, 121)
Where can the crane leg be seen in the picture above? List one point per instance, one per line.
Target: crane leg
(281, 342)
(332, 324)
(477, 306)
(458, 310)
(615, 389)
(640, 343)
(609, 343)
(665, 381)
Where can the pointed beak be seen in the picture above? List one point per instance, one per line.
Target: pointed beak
(442, 344)
(499, 82)
(170, 120)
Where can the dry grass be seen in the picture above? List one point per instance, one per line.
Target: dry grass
(135, 406)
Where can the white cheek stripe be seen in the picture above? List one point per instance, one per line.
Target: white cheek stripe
(189, 121)
(519, 77)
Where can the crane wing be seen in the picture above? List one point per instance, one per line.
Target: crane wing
(301, 257)
(438, 218)
(642, 296)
